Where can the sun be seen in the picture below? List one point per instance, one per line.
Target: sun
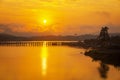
(44, 21)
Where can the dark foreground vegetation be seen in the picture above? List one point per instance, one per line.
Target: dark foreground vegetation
(105, 48)
(107, 56)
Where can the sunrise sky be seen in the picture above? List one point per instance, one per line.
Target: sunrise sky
(58, 17)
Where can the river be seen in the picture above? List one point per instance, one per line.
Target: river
(52, 63)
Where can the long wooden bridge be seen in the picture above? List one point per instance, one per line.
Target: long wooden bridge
(37, 43)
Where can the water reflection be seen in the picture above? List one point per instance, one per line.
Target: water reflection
(51, 63)
(44, 55)
(103, 70)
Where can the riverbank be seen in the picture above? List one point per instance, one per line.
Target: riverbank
(107, 56)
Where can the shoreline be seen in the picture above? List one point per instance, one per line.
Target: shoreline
(107, 56)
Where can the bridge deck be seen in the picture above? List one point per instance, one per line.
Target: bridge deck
(36, 43)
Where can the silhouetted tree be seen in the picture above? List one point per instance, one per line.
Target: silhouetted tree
(104, 38)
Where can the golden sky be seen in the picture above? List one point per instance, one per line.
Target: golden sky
(63, 17)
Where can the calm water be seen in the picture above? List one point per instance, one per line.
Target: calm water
(52, 63)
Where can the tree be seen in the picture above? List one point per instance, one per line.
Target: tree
(104, 38)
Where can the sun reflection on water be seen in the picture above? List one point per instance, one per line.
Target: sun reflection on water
(44, 55)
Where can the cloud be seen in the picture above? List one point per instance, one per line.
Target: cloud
(37, 3)
(4, 27)
(103, 13)
(1, 30)
(113, 28)
(20, 29)
(11, 28)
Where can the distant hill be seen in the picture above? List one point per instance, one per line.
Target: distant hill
(87, 36)
(114, 34)
(8, 37)
(5, 35)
